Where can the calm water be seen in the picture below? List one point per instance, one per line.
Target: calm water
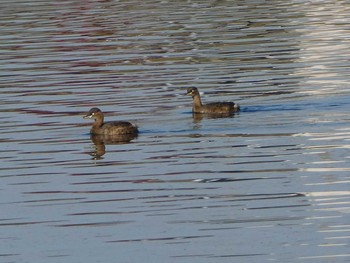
(269, 184)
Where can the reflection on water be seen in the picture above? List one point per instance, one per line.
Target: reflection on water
(198, 117)
(188, 188)
(100, 142)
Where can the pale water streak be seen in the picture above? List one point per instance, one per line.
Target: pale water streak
(270, 183)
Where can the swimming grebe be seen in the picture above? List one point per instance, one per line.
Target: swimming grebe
(109, 128)
(210, 108)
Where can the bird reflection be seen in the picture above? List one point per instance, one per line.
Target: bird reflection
(198, 117)
(100, 142)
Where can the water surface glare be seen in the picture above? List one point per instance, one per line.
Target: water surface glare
(270, 183)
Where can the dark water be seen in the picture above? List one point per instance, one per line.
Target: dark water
(269, 184)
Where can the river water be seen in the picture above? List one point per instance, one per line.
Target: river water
(268, 184)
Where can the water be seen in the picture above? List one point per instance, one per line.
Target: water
(269, 184)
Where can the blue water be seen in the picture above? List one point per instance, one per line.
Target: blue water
(269, 184)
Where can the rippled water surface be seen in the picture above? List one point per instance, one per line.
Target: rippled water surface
(268, 184)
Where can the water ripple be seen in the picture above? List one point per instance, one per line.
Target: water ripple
(186, 187)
